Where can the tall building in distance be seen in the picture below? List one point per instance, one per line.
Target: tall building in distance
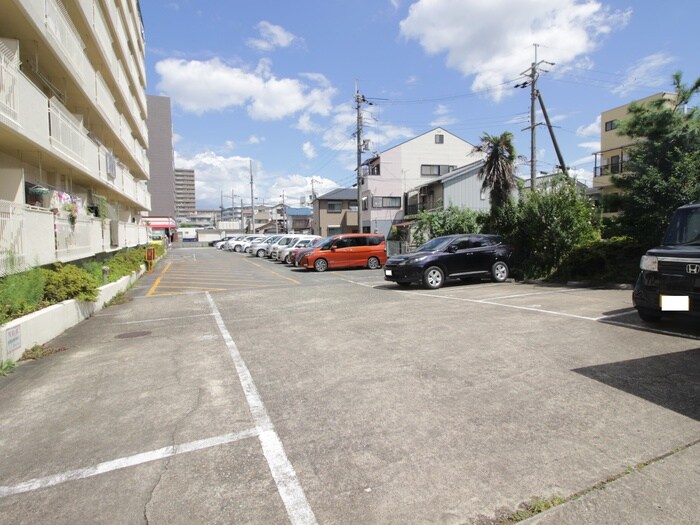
(73, 133)
(184, 193)
(161, 157)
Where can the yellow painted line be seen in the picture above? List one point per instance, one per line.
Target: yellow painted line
(272, 272)
(157, 281)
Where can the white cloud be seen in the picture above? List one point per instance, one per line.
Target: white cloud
(254, 139)
(306, 125)
(271, 36)
(647, 72)
(309, 150)
(492, 40)
(444, 119)
(590, 130)
(591, 146)
(201, 86)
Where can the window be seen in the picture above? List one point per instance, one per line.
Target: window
(615, 164)
(386, 202)
(431, 170)
(335, 206)
(334, 230)
(353, 205)
(375, 240)
(439, 138)
(610, 125)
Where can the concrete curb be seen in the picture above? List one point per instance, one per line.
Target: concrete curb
(582, 284)
(40, 327)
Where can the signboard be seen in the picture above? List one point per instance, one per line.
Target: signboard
(13, 339)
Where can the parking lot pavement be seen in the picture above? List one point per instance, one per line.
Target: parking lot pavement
(344, 399)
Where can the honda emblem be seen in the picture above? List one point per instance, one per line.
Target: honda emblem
(693, 269)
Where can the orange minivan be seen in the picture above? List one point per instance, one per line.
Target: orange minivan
(346, 251)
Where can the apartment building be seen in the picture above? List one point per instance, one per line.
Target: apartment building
(335, 212)
(389, 175)
(614, 148)
(73, 133)
(161, 156)
(185, 204)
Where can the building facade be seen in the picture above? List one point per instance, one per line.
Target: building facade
(335, 212)
(73, 133)
(185, 202)
(614, 150)
(389, 175)
(161, 185)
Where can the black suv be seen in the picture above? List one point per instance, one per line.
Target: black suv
(453, 256)
(670, 277)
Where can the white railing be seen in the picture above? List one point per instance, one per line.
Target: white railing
(58, 25)
(26, 237)
(73, 240)
(66, 133)
(8, 83)
(105, 100)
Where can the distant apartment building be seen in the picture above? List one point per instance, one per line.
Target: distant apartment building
(73, 133)
(614, 148)
(161, 157)
(184, 193)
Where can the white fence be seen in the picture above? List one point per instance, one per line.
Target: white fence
(31, 236)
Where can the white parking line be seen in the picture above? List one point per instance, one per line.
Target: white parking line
(288, 486)
(128, 461)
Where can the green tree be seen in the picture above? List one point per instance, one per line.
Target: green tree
(663, 171)
(498, 171)
(448, 221)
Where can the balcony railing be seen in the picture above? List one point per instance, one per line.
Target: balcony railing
(32, 236)
(610, 169)
(8, 89)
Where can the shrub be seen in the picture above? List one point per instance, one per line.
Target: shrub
(605, 260)
(69, 282)
(21, 293)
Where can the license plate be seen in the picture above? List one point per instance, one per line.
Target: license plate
(675, 303)
(387, 273)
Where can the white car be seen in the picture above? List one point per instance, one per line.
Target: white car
(259, 248)
(248, 243)
(236, 244)
(285, 254)
(281, 243)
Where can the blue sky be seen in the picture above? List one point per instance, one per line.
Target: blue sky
(273, 81)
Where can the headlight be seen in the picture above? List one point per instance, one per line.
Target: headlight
(413, 260)
(649, 263)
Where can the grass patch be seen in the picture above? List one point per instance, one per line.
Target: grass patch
(39, 351)
(120, 298)
(6, 367)
(536, 506)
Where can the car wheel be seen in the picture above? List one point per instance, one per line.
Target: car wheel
(373, 263)
(261, 253)
(433, 278)
(237, 248)
(320, 265)
(499, 271)
(404, 284)
(287, 259)
(649, 316)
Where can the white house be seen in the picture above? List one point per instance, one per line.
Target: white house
(73, 133)
(389, 175)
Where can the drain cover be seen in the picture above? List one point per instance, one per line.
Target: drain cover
(129, 335)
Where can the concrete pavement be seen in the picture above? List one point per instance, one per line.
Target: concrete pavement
(341, 399)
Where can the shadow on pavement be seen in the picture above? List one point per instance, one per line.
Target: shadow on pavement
(669, 380)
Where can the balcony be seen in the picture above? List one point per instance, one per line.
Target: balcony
(32, 236)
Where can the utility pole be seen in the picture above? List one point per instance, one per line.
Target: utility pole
(284, 215)
(252, 199)
(533, 73)
(359, 100)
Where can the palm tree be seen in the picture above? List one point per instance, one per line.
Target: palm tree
(498, 171)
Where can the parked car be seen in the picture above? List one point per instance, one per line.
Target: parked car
(286, 255)
(259, 248)
(219, 245)
(669, 281)
(347, 251)
(236, 244)
(281, 243)
(452, 256)
(247, 245)
(298, 253)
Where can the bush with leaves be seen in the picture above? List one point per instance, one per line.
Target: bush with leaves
(69, 282)
(446, 221)
(553, 220)
(21, 293)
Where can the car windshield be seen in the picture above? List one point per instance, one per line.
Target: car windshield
(433, 245)
(684, 227)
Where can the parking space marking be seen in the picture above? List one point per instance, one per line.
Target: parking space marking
(549, 292)
(273, 272)
(157, 281)
(128, 461)
(160, 319)
(298, 508)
